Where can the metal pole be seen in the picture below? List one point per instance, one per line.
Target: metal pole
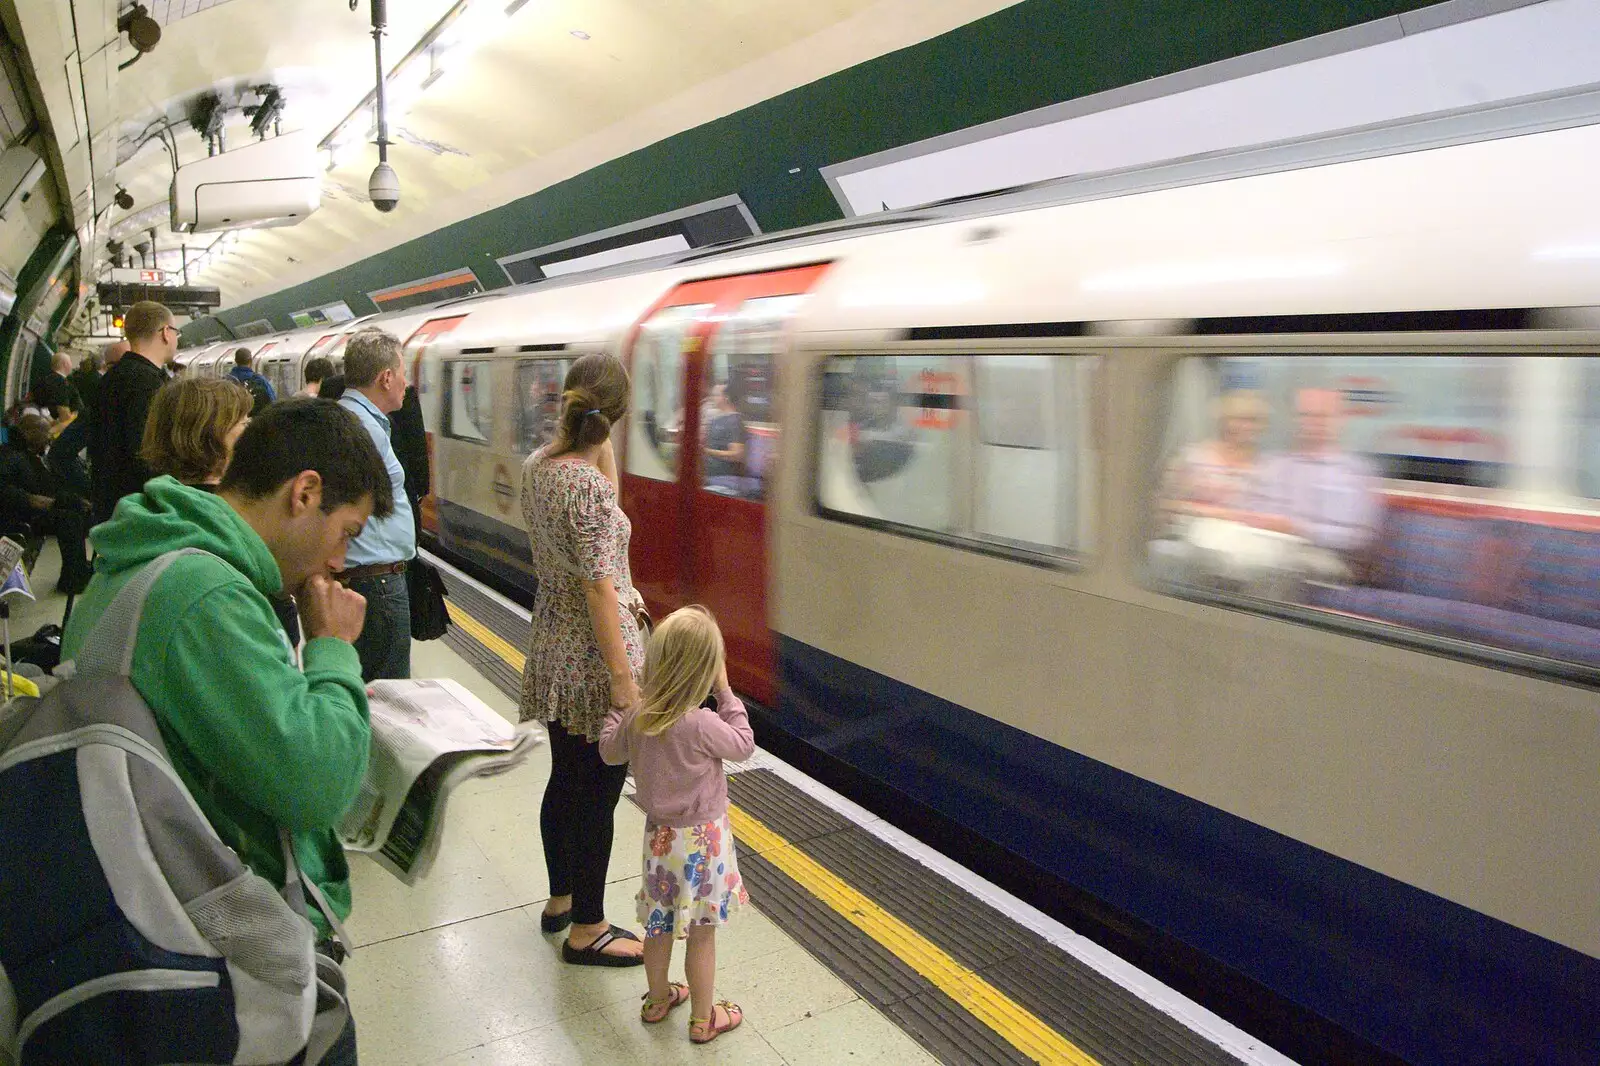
(380, 21)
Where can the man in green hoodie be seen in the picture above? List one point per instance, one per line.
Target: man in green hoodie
(261, 743)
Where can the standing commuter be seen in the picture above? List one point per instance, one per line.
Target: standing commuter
(586, 653)
(261, 745)
(58, 393)
(316, 371)
(411, 448)
(54, 393)
(86, 379)
(376, 377)
(261, 391)
(112, 354)
(125, 393)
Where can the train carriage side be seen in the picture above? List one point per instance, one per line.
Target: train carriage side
(186, 360)
(491, 374)
(705, 361)
(1362, 801)
(284, 364)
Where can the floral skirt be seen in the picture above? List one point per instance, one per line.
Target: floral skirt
(691, 877)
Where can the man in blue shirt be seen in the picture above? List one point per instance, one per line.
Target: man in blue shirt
(375, 387)
(261, 390)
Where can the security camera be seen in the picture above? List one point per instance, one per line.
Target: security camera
(383, 188)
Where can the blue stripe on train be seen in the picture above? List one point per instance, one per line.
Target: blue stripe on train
(60, 926)
(499, 547)
(1405, 970)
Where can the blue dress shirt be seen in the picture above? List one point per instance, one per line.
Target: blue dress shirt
(383, 540)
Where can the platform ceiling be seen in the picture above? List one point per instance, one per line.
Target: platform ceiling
(531, 95)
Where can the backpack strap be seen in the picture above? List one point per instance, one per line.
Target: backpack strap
(296, 885)
(108, 649)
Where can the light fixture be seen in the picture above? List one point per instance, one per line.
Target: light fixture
(468, 24)
(1215, 272)
(580, 35)
(123, 199)
(144, 32)
(1562, 252)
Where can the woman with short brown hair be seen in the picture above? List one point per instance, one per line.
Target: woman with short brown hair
(192, 426)
(190, 433)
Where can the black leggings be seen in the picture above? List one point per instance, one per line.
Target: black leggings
(577, 820)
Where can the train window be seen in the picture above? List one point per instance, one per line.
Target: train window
(538, 402)
(738, 423)
(1588, 460)
(990, 451)
(468, 401)
(1425, 497)
(656, 423)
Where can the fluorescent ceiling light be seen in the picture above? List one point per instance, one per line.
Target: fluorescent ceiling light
(465, 26)
(1219, 272)
(911, 294)
(1569, 251)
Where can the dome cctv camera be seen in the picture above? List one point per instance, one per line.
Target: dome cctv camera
(383, 188)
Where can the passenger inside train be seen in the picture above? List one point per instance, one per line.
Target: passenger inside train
(1404, 491)
(1261, 524)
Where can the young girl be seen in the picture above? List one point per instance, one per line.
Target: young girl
(676, 746)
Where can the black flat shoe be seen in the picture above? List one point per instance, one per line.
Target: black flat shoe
(594, 954)
(554, 923)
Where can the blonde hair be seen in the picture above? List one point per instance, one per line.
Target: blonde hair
(683, 660)
(186, 431)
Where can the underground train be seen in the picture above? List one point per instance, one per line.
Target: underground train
(936, 472)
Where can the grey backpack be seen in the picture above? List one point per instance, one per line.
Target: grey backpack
(129, 932)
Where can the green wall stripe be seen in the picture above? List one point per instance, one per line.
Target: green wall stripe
(1032, 55)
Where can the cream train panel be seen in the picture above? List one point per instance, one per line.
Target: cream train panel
(485, 475)
(1409, 764)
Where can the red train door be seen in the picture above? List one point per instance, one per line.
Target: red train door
(701, 447)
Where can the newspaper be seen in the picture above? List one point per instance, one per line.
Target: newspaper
(427, 738)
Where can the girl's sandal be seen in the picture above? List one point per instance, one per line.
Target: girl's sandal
(656, 1010)
(703, 1030)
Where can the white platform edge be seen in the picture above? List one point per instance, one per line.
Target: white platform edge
(1192, 1015)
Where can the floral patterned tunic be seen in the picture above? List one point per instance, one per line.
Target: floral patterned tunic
(576, 532)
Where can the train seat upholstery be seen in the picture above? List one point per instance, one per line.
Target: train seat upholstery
(1524, 585)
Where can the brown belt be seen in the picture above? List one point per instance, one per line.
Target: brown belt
(356, 573)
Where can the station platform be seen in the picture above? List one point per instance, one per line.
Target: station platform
(861, 945)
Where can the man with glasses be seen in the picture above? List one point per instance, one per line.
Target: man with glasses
(119, 415)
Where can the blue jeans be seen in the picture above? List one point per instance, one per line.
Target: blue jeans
(385, 641)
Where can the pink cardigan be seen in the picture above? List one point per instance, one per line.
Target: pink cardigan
(679, 773)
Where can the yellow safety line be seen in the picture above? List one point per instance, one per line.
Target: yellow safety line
(1019, 1026)
(487, 637)
(1016, 1024)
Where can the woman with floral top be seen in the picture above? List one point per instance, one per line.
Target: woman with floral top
(586, 652)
